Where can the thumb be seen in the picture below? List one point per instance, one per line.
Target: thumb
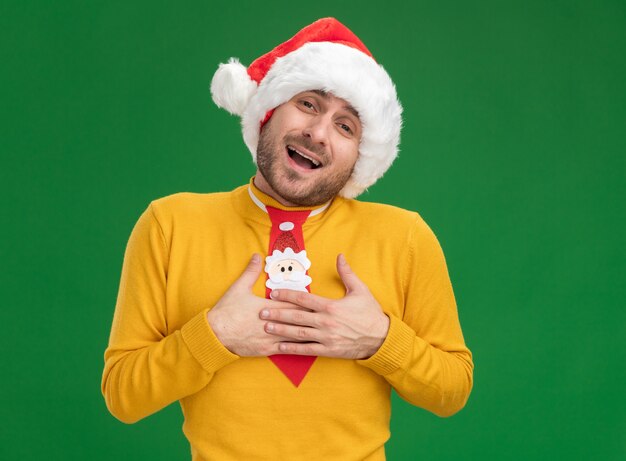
(349, 278)
(251, 273)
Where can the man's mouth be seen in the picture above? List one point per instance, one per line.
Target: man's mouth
(302, 160)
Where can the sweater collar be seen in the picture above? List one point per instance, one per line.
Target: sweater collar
(251, 202)
(253, 191)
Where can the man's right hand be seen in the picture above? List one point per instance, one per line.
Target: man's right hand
(235, 318)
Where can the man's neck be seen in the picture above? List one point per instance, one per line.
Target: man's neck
(263, 186)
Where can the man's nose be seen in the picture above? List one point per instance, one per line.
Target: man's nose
(318, 129)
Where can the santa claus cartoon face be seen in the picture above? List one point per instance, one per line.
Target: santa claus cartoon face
(287, 269)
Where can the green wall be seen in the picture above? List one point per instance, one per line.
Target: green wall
(512, 150)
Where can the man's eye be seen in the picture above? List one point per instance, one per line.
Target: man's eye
(308, 105)
(345, 128)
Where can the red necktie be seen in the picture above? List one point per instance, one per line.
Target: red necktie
(286, 234)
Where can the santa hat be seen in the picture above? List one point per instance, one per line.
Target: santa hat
(325, 56)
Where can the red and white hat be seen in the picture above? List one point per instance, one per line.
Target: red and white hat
(325, 56)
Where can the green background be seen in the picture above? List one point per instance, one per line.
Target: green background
(512, 150)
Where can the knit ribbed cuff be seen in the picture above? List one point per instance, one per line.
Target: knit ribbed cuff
(394, 350)
(204, 345)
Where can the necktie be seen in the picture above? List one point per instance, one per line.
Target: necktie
(286, 267)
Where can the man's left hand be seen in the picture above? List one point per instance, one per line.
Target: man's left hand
(353, 327)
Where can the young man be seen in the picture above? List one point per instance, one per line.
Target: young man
(296, 363)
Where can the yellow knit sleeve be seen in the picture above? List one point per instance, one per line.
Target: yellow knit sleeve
(145, 367)
(424, 356)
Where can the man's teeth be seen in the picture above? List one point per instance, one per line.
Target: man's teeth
(313, 161)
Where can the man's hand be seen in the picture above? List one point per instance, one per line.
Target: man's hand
(353, 327)
(235, 317)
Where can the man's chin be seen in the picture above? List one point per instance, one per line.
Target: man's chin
(301, 189)
(307, 192)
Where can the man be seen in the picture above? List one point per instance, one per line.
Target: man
(296, 363)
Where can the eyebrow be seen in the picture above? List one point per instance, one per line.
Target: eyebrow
(348, 107)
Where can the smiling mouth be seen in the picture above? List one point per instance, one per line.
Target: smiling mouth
(302, 160)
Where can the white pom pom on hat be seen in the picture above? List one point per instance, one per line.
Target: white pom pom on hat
(232, 87)
(326, 56)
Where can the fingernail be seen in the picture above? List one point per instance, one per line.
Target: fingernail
(256, 258)
(274, 294)
(270, 327)
(342, 259)
(265, 314)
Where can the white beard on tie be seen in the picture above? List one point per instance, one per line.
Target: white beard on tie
(297, 280)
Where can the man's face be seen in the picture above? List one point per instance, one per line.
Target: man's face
(308, 148)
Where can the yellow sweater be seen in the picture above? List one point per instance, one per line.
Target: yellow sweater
(187, 249)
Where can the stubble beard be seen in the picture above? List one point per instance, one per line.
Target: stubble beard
(288, 183)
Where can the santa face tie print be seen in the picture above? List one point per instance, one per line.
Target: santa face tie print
(286, 267)
(287, 263)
